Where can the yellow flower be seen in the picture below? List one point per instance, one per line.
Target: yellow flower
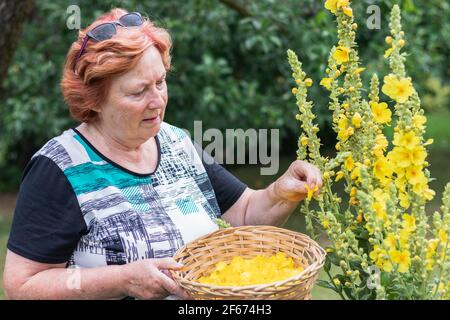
(402, 258)
(342, 123)
(381, 258)
(257, 270)
(409, 222)
(325, 224)
(341, 55)
(333, 5)
(404, 237)
(308, 82)
(380, 195)
(415, 175)
(397, 89)
(294, 90)
(380, 211)
(388, 52)
(419, 121)
(381, 112)
(356, 120)
(428, 194)
(406, 139)
(345, 134)
(420, 188)
(347, 11)
(404, 200)
(348, 163)
(326, 82)
(359, 70)
(304, 141)
(339, 176)
(390, 241)
(355, 175)
(380, 146)
(418, 155)
(311, 191)
(382, 169)
(400, 156)
(431, 250)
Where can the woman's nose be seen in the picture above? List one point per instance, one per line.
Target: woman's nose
(155, 99)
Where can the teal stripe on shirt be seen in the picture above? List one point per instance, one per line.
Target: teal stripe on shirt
(89, 177)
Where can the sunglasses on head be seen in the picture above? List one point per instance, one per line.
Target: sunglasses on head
(107, 30)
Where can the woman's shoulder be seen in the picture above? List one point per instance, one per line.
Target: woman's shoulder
(173, 132)
(64, 150)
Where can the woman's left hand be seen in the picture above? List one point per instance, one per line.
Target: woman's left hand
(295, 183)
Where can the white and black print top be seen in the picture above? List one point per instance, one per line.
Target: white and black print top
(77, 206)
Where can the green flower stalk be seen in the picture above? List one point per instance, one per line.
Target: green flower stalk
(383, 227)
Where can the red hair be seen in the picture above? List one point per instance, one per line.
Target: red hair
(85, 85)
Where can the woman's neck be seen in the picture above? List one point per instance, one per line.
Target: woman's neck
(112, 146)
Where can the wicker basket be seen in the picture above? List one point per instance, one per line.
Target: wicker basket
(200, 256)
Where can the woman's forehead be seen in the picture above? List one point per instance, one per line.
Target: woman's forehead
(150, 67)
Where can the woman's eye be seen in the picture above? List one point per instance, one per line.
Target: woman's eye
(140, 93)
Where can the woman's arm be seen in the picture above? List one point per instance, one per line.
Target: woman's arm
(273, 205)
(143, 279)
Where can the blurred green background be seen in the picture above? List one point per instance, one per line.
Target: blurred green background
(229, 70)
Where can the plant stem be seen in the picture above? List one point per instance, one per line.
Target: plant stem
(337, 289)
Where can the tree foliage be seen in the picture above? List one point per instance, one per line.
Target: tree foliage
(229, 66)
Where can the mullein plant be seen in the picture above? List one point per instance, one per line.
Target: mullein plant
(382, 245)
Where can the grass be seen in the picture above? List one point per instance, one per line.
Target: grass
(5, 224)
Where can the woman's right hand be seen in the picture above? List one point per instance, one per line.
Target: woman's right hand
(144, 279)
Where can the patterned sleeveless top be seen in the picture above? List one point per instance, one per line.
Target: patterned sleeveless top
(133, 216)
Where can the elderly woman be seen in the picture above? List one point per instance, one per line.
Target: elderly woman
(104, 206)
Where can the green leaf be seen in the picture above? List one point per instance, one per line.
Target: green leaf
(325, 284)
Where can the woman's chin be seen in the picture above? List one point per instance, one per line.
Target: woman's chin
(150, 131)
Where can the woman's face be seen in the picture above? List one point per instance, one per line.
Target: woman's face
(135, 106)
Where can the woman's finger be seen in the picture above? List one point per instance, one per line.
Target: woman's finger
(173, 288)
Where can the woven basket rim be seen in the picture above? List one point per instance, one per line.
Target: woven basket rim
(309, 269)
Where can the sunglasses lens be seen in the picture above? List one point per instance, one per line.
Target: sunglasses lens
(103, 32)
(131, 20)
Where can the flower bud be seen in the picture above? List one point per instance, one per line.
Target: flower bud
(304, 141)
(388, 39)
(308, 82)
